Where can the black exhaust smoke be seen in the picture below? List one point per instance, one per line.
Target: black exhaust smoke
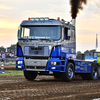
(76, 5)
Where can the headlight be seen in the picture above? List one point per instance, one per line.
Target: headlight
(54, 63)
(53, 67)
(19, 66)
(20, 62)
(51, 63)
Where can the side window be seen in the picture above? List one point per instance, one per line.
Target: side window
(72, 34)
(66, 34)
(25, 32)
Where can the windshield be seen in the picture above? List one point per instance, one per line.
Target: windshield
(40, 32)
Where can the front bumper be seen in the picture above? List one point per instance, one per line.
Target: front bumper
(40, 64)
(36, 64)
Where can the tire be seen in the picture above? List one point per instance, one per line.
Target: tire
(30, 75)
(56, 74)
(94, 72)
(69, 74)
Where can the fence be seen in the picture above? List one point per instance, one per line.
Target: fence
(8, 61)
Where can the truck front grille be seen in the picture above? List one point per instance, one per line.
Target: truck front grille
(35, 67)
(36, 51)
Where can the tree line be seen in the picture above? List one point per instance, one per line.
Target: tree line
(11, 48)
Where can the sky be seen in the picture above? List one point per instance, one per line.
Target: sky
(12, 12)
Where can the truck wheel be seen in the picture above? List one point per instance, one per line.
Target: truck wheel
(94, 72)
(30, 75)
(69, 74)
(56, 74)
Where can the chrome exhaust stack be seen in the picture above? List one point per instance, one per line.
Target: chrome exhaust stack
(74, 22)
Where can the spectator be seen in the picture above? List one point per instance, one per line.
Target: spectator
(3, 57)
(10, 55)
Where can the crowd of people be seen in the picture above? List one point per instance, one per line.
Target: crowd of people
(11, 54)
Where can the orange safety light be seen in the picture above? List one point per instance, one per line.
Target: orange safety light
(58, 18)
(29, 18)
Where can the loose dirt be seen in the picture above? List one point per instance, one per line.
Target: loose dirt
(16, 87)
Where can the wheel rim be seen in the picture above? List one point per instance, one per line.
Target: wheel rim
(94, 72)
(70, 72)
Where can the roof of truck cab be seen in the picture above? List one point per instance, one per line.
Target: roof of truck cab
(46, 22)
(43, 22)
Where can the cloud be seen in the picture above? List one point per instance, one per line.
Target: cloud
(59, 8)
(9, 25)
(4, 16)
(33, 13)
(8, 36)
(89, 23)
(6, 41)
(5, 7)
(93, 7)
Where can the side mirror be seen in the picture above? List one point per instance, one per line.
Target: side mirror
(18, 35)
(69, 33)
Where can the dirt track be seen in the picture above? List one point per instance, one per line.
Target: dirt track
(47, 88)
(10, 67)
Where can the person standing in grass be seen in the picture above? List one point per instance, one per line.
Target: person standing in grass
(3, 57)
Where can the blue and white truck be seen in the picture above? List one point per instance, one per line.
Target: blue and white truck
(49, 45)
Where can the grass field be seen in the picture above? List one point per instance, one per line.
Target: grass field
(12, 73)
